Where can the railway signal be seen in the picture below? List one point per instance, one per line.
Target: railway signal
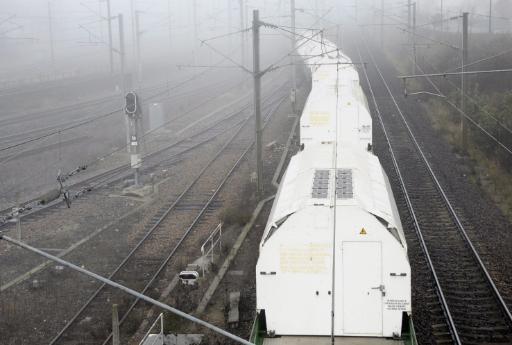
(133, 111)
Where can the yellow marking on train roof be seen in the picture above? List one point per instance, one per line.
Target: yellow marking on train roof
(319, 118)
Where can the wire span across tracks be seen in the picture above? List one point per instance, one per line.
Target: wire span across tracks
(126, 290)
(460, 241)
(156, 225)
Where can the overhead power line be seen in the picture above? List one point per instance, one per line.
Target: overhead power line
(60, 130)
(475, 102)
(465, 115)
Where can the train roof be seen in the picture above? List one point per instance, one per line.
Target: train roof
(361, 183)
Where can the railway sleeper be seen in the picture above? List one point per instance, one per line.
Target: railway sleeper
(478, 289)
(469, 297)
(494, 324)
(461, 278)
(480, 335)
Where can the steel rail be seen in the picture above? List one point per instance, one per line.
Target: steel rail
(195, 221)
(126, 289)
(165, 124)
(93, 178)
(445, 198)
(125, 167)
(146, 236)
(440, 293)
(506, 310)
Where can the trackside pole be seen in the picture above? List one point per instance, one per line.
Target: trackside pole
(381, 23)
(110, 46)
(292, 57)
(127, 290)
(257, 98)
(133, 111)
(242, 35)
(463, 124)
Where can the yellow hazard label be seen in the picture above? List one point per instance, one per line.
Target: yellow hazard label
(319, 118)
(362, 232)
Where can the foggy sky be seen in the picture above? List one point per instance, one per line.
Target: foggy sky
(80, 35)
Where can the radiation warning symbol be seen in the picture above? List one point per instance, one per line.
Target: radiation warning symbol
(362, 232)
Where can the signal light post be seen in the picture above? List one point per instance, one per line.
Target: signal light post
(133, 111)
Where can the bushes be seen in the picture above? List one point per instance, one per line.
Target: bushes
(235, 216)
(240, 211)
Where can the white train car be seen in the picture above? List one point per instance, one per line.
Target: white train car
(333, 256)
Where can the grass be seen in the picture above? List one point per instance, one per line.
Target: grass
(486, 170)
(489, 166)
(239, 212)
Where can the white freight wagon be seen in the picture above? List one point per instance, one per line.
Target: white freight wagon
(333, 256)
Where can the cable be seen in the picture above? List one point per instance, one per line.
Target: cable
(475, 123)
(487, 16)
(227, 57)
(436, 22)
(481, 60)
(46, 135)
(472, 100)
(399, 21)
(60, 130)
(307, 38)
(226, 35)
(430, 39)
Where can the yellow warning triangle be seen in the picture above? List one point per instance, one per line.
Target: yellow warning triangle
(362, 232)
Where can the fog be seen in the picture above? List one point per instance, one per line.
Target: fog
(45, 41)
(80, 35)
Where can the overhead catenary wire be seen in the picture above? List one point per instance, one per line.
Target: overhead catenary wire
(158, 94)
(481, 60)
(466, 116)
(306, 39)
(226, 35)
(451, 323)
(400, 22)
(165, 124)
(60, 130)
(446, 44)
(475, 102)
(99, 117)
(227, 57)
(487, 16)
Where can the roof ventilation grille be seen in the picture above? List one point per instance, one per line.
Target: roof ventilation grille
(320, 184)
(344, 186)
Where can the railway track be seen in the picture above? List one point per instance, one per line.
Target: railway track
(107, 182)
(71, 115)
(153, 255)
(470, 309)
(163, 157)
(222, 125)
(199, 131)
